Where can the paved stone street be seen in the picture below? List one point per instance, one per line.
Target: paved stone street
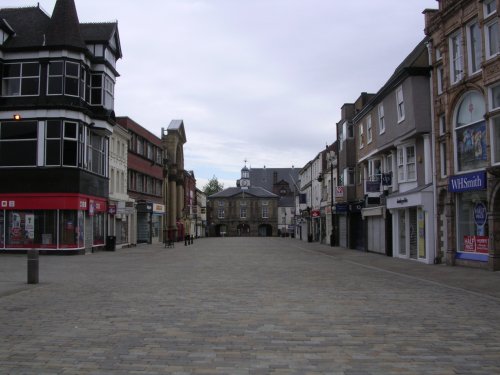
(246, 306)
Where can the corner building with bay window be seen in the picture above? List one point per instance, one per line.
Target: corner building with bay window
(464, 52)
(56, 117)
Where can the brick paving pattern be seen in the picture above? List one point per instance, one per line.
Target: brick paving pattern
(247, 306)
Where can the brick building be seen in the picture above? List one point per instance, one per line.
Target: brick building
(145, 180)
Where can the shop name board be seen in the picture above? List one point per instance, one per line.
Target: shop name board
(467, 182)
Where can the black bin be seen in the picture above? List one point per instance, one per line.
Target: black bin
(111, 243)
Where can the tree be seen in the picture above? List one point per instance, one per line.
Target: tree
(213, 186)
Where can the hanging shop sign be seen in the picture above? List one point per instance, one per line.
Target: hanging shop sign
(386, 179)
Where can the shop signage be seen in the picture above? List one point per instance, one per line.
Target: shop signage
(112, 209)
(372, 186)
(158, 208)
(467, 182)
(480, 214)
(91, 207)
(356, 207)
(341, 207)
(476, 244)
(339, 192)
(315, 213)
(386, 179)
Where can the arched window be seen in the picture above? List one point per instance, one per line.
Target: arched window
(470, 133)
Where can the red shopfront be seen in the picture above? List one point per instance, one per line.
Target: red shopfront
(51, 221)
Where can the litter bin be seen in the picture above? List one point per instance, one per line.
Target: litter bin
(111, 243)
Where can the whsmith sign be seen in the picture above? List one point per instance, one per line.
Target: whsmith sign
(467, 182)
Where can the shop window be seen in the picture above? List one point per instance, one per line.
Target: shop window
(470, 133)
(2, 229)
(18, 143)
(473, 230)
(98, 226)
(68, 229)
(30, 229)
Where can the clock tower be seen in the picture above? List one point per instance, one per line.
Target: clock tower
(245, 177)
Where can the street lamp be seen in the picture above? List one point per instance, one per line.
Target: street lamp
(330, 158)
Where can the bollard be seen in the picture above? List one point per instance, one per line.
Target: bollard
(185, 240)
(32, 266)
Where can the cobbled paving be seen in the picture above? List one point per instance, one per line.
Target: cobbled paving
(239, 306)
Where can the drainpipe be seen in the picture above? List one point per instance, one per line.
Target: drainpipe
(433, 145)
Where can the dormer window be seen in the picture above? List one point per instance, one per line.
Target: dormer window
(96, 49)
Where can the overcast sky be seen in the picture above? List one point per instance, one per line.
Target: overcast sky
(261, 80)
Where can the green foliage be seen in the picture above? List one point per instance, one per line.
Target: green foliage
(213, 186)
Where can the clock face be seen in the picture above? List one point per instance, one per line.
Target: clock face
(244, 182)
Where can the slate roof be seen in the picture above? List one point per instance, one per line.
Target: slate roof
(29, 25)
(100, 32)
(175, 124)
(264, 177)
(34, 29)
(257, 192)
(64, 27)
(286, 202)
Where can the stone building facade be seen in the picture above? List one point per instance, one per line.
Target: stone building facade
(464, 52)
(245, 210)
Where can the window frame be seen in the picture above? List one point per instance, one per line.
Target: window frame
(486, 10)
(471, 128)
(400, 104)
(381, 118)
(404, 164)
(440, 79)
(491, 97)
(487, 39)
(20, 79)
(369, 130)
(474, 55)
(456, 57)
(361, 135)
(19, 141)
(495, 139)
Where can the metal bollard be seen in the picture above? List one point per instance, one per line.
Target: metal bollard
(33, 266)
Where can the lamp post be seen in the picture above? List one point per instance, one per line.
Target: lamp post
(330, 159)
